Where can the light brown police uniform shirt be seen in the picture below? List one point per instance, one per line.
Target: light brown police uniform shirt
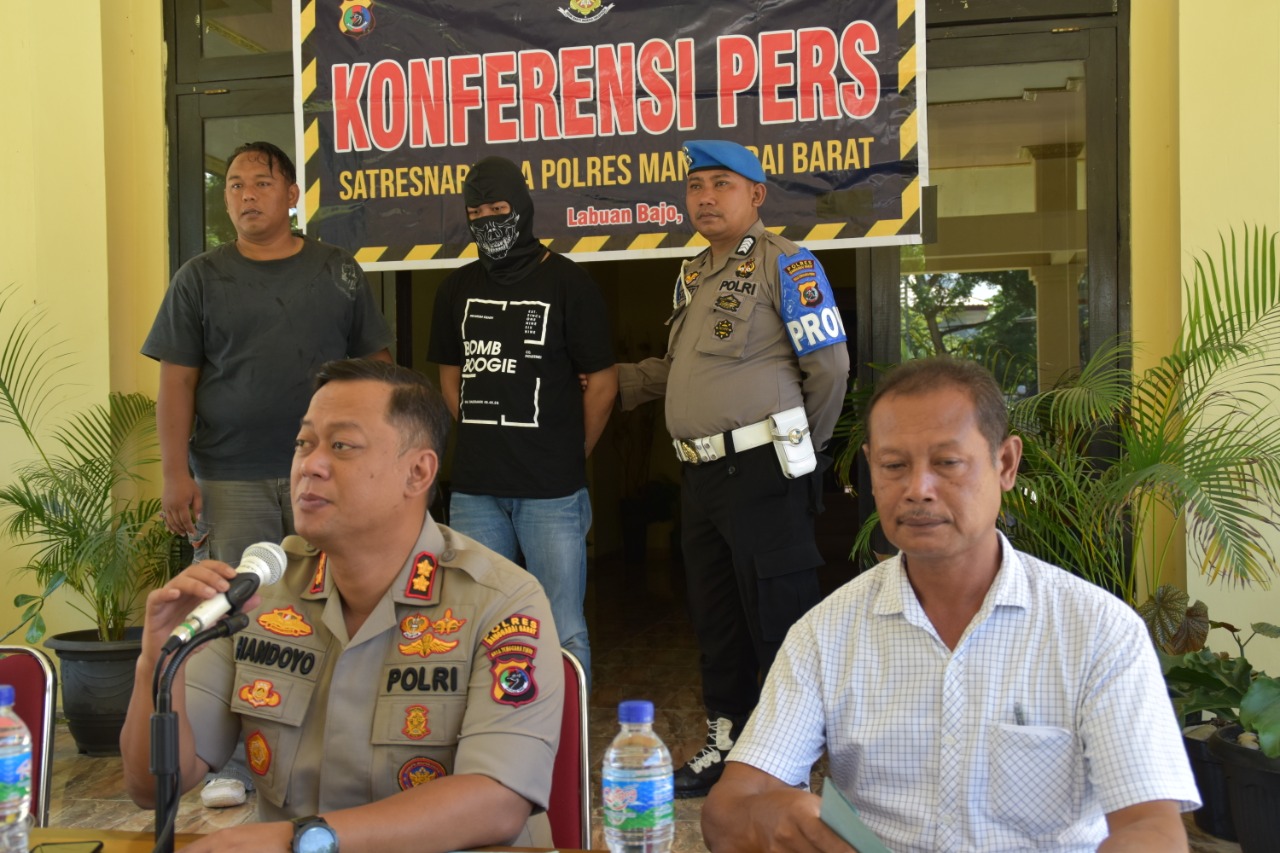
(729, 360)
(457, 670)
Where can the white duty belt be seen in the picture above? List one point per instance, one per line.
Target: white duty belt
(695, 451)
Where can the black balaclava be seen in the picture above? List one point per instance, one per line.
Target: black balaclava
(506, 244)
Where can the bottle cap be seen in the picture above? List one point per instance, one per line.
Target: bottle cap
(6, 695)
(635, 711)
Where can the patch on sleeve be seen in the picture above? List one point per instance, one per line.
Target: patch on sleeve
(422, 580)
(258, 753)
(512, 670)
(515, 625)
(419, 771)
(286, 622)
(808, 304)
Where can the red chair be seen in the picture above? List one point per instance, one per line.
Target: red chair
(35, 684)
(569, 808)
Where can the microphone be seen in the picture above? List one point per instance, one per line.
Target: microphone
(262, 563)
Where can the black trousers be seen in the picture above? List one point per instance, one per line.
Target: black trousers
(751, 564)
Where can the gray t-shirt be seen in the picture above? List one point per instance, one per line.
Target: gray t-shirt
(258, 330)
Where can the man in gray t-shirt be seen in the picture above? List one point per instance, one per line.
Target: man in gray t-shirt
(240, 332)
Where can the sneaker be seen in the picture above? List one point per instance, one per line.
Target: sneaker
(223, 792)
(702, 771)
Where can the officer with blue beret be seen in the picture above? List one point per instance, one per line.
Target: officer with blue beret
(754, 377)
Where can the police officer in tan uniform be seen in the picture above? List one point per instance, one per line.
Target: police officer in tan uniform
(754, 378)
(389, 639)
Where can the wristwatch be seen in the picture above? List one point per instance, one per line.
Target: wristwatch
(313, 835)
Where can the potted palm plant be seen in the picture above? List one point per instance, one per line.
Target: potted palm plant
(75, 506)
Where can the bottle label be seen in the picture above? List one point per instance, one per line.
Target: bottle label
(638, 803)
(15, 776)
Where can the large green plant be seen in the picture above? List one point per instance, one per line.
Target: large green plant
(75, 502)
(1196, 435)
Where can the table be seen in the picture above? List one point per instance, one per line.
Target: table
(116, 841)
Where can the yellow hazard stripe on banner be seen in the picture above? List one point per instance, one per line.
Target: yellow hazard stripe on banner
(370, 254)
(308, 79)
(697, 241)
(589, 244)
(306, 20)
(909, 133)
(646, 241)
(424, 252)
(906, 8)
(907, 68)
(310, 145)
(910, 205)
(825, 231)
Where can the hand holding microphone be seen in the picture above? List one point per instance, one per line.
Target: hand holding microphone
(262, 564)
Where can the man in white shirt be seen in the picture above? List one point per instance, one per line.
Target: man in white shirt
(970, 696)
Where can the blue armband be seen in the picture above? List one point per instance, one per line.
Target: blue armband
(808, 304)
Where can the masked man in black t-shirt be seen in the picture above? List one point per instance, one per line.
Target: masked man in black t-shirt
(512, 332)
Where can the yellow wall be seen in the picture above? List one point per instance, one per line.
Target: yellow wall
(1229, 131)
(82, 226)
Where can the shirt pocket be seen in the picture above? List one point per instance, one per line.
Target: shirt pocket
(272, 708)
(414, 741)
(1036, 778)
(727, 325)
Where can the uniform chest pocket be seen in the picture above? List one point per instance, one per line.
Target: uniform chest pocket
(1036, 778)
(272, 708)
(727, 325)
(414, 741)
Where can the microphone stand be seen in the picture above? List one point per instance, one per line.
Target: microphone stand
(164, 728)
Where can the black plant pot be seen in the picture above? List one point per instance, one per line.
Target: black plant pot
(1253, 784)
(1214, 817)
(97, 680)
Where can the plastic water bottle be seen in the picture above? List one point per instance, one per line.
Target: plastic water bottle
(15, 776)
(638, 785)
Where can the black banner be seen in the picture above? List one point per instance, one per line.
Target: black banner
(594, 99)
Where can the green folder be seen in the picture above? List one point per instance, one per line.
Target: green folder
(841, 815)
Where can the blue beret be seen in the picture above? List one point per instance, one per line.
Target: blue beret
(719, 153)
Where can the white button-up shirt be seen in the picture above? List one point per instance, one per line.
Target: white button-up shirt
(1050, 712)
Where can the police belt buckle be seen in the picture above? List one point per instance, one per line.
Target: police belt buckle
(686, 451)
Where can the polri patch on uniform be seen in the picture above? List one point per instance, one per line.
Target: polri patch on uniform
(515, 625)
(258, 753)
(746, 268)
(422, 580)
(317, 579)
(809, 310)
(744, 248)
(286, 622)
(512, 670)
(419, 771)
(723, 329)
(415, 722)
(728, 302)
(260, 694)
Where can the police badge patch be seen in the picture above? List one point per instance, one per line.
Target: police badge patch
(260, 694)
(724, 329)
(258, 753)
(415, 722)
(422, 580)
(729, 302)
(744, 248)
(419, 771)
(746, 268)
(286, 622)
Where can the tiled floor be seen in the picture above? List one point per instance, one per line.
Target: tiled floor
(643, 649)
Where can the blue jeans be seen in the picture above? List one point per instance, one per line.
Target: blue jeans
(241, 513)
(552, 535)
